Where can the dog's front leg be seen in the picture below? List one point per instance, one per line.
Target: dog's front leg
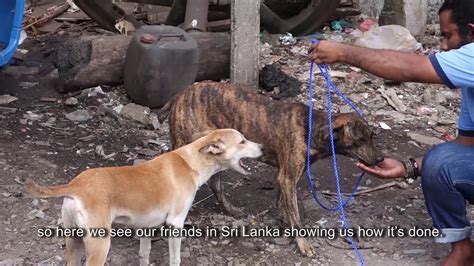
(175, 250)
(174, 243)
(287, 179)
(144, 253)
(215, 184)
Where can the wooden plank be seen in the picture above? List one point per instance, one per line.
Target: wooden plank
(245, 42)
(89, 61)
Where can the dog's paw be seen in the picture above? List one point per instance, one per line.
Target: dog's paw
(305, 247)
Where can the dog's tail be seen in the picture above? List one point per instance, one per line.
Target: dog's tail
(46, 192)
(165, 110)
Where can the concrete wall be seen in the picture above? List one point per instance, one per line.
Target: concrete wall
(433, 7)
(371, 8)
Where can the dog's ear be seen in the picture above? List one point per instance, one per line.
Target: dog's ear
(339, 123)
(197, 135)
(214, 148)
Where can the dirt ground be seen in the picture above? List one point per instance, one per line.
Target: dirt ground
(37, 140)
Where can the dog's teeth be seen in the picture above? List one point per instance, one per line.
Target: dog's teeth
(246, 167)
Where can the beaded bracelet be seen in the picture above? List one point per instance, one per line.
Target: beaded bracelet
(411, 170)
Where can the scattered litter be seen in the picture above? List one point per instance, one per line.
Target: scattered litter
(125, 27)
(79, 116)
(49, 15)
(336, 38)
(341, 25)
(93, 92)
(393, 37)
(71, 101)
(99, 150)
(20, 54)
(138, 161)
(287, 39)
(367, 25)
(72, 7)
(6, 99)
(87, 138)
(137, 113)
(356, 34)
(154, 121)
(118, 108)
(36, 214)
(384, 126)
(32, 116)
(338, 74)
(273, 79)
(322, 221)
(54, 74)
(23, 37)
(392, 98)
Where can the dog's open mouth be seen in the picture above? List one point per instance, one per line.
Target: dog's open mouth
(243, 162)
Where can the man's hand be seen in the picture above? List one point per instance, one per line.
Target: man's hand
(326, 52)
(388, 169)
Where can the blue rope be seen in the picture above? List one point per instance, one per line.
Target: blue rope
(341, 204)
(308, 165)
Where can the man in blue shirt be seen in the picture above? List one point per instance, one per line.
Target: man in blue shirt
(447, 170)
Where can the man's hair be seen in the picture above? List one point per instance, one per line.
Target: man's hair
(463, 13)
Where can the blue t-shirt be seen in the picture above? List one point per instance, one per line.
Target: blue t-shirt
(456, 69)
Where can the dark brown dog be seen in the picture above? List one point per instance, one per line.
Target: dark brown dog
(282, 129)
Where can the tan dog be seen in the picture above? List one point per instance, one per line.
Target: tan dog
(160, 191)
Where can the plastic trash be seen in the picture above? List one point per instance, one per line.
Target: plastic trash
(23, 37)
(160, 62)
(393, 37)
(367, 25)
(336, 38)
(11, 17)
(340, 25)
(287, 39)
(73, 8)
(357, 33)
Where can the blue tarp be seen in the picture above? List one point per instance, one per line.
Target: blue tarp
(11, 16)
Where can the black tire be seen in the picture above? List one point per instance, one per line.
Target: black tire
(274, 18)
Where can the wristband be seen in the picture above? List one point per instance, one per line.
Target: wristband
(415, 167)
(411, 170)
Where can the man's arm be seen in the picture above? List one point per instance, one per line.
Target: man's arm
(392, 65)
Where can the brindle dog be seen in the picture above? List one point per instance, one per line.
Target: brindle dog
(282, 129)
